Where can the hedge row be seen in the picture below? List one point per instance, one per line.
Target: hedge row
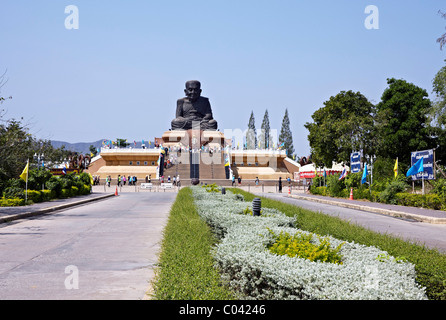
(36, 196)
(428, 201)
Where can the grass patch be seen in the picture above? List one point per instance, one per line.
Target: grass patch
(186, 266)
(430, 264)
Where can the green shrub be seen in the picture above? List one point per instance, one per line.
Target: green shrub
(35, 196)
(37, 178)
(66, 193)
(389, 193)
(362, 192)
(84, 178)
(14, 193)
(440, 190)
(75, 191)
(55, 185)
(429, 201)
(353, 180)
(86, 189)
(374, 196)
(48, 195)
(318, 190)
(335, 187)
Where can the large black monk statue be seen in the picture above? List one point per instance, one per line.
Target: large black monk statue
(193, 110)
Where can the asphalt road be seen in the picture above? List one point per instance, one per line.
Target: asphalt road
(103, 250)
(430, 235)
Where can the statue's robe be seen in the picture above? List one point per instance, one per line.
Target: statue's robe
(189, 112)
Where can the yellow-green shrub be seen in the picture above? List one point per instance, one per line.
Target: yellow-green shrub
(211, 188)
(65, 193)
(35, 196)
(11, 202)
(301, 245)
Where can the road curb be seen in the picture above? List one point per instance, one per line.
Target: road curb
(29, 214)
(389, 212)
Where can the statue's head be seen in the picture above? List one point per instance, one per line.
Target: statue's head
(193, 90)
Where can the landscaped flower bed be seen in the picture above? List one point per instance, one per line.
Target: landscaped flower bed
(249, 267)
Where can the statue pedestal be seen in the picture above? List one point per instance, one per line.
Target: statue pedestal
(193, 138)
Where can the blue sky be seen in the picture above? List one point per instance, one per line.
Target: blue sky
(119, 75)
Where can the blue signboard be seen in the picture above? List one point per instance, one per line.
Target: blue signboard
(355, 162)
(428, 164)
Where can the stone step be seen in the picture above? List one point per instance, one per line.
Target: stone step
(209, 168)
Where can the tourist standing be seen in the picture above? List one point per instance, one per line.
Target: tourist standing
(280, 184)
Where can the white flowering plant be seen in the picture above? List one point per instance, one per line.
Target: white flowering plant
(253, 271)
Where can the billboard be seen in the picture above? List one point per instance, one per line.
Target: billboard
(355, 162)
(428, 162)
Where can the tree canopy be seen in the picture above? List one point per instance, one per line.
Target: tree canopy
(343, 125)
(402, 122)
(398, 125)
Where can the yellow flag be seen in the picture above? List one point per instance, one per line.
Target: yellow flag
(24, 174)
(395, 168)
(91, 178)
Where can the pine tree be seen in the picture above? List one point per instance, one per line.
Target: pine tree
(286, 137)
(265, 136)
(251, 135)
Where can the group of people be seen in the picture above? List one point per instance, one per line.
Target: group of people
(122, 180)
(96, 180)
(175, 180)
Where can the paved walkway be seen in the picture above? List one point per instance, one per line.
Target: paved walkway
(104, 250)
(13, 213)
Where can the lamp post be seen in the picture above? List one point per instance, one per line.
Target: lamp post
(40, 163)
(39, 158)
(372, 158)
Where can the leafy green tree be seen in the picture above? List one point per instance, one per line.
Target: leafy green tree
(93, 150)
(402, 121)
(442, 39)
(251, 135)
(343, 125)
(439, 105)
(37, 178)
(286, 137)
(122, 143)
(16, 147)
(438, 113)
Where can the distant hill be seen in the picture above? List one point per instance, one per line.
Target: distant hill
(84, 147)
(80, 147)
